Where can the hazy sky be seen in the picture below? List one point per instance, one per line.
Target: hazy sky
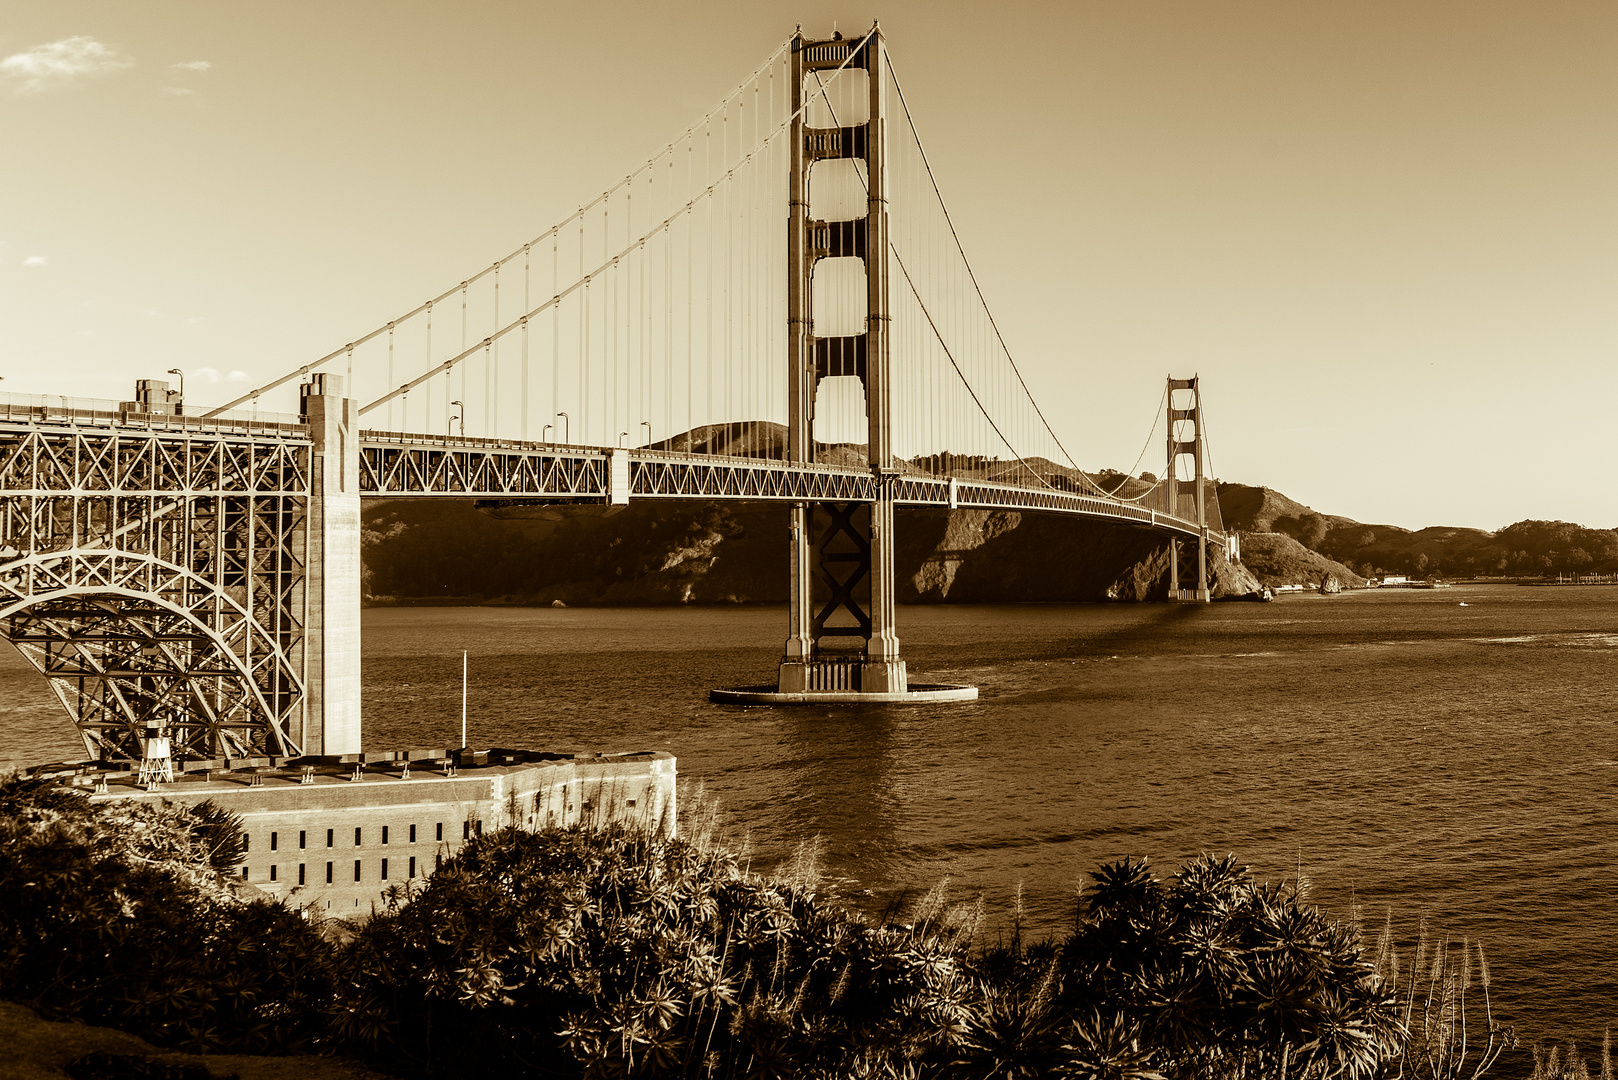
(1385, 234)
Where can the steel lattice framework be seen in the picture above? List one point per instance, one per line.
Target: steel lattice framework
(400, 465)
(153, 570)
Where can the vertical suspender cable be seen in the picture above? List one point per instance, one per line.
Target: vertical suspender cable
(392, 426)
(463, 349)
(690, 290)
(491, 373)
(526, 306)
(668, 315)
(707, 175)
(583, 400)
(556, 328)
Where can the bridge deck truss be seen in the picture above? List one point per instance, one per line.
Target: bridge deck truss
(398, 465)
(155, 575)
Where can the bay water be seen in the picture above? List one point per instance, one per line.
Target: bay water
(1448, 754)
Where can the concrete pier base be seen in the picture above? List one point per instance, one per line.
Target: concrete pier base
(915, 694)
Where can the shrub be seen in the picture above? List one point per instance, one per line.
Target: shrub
(115, 913)
(615, 952)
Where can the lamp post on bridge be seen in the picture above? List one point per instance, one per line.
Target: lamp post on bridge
(567, 433)
(544, 431)
(623, 440)
(179, 406)
(647, 424)
(461, 418)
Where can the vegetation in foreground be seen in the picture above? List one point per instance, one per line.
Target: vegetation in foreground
(618, 953)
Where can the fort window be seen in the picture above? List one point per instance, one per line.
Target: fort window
(356, 869)
(272, 841)
(247, 842)
(440, 832)
(300, 874)
(244, 873)
(356, 836)
(272, 871)
(303, 839)
(384, 834)
(384, 869)
(412, 863)
(412, 834)
(330, 833)
(478, 828)
(328, 873)
(466, 830)
(629, 802)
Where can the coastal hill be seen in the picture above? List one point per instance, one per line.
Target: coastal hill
(1526, 548)
(707, 553)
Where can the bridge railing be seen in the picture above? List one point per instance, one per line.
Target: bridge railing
(103, 412)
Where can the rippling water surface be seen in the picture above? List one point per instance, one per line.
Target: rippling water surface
(1406, 752)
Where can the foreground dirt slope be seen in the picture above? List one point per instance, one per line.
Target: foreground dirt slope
(32, 1048)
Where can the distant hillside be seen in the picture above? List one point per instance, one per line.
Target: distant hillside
(1527, 548)
(1259, 509)
(682, 553)
(1277, 559)
(704, 553)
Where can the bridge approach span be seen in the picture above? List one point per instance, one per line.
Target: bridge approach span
(401, 465)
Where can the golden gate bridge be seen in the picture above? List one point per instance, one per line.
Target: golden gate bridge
(775, 306)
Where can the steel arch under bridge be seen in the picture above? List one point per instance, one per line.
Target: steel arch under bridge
(154, 570)
(125, 639)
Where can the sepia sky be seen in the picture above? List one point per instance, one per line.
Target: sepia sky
(1384, 233)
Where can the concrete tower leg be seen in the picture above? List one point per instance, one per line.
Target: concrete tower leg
(884, 671)
(1198, 510)
(332, 628)
(794, 675)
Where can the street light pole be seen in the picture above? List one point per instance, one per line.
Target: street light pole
(647, 424)
(180, 408)
(566, 429)
(461, 418)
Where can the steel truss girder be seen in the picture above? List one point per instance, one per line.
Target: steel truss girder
(392, 466)
(415, 469)
(53, 460)
(125, 638)
(159, 570)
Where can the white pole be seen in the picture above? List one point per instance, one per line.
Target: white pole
(463, 699)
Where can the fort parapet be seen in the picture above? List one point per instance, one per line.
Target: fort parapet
(334, 833)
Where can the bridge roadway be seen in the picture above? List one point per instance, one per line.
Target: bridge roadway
(414, 465)
(401, 465)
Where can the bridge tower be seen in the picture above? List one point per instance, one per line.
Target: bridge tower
(843, 636)
(332, 629)
(1185, 441)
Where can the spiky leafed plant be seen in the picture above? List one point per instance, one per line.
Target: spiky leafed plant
(1105, 1048)
(117, 913)
(1218, 975)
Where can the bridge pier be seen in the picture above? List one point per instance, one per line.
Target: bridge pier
(843, 637)
(1182, 447)
(331, 722)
